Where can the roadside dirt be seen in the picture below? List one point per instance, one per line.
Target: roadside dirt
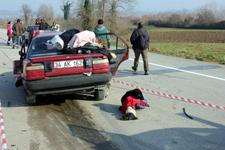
(65, 126)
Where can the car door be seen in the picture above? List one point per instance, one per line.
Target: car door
(117, 47)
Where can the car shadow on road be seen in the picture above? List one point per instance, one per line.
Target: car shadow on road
(210, 136)
(12, 96)
(59, 99)
(109, 108)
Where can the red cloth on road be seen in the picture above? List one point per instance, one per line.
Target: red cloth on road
(132, 102)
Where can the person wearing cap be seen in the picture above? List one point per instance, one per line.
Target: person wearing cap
(101, 29)
(140, 43)
(55, 27)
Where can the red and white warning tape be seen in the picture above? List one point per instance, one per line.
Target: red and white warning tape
(3, 141)
(170, 96)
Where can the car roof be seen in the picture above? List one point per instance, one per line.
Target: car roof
(44, 33)
(33, 25)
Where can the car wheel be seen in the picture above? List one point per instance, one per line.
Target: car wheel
(100, 94)
(30, 99)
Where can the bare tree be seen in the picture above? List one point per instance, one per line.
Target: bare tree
(113, 12)
(101, 9)
(205, 16)
(46, 12)
(87, 18)
(90, 10)
(114, 6)
(66, 9)
(27, 14)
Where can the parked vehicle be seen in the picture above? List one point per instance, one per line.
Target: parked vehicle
(44, 69)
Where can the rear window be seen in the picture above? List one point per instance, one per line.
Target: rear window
(41, 46)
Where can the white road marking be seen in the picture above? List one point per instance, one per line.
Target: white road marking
(186, 71)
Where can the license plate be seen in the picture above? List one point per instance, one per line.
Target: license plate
(68, 64)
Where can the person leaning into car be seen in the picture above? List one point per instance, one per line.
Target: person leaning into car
(140, 44)
(101, 29)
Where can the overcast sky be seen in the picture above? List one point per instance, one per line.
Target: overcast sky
(143, 6)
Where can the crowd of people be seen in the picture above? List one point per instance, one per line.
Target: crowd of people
(16, 29)
(14, 33)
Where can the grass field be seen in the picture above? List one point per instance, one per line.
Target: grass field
(210, 52)
(202, 45)
(200, 36)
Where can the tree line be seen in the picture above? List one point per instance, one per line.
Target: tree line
(203, 18)
(82, 13)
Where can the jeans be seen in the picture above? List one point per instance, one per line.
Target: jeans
(18, 40)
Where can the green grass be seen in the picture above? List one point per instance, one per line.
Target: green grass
(210, 52)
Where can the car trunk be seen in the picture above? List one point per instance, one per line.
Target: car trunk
(72, 64)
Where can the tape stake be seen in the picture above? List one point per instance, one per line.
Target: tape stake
(3, 141)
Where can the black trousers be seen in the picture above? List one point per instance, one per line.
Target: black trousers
(144, 54)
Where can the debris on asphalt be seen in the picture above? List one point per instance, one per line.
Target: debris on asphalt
(184, 111)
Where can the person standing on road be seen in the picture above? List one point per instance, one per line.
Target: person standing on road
(43, 25)
(9, 32)
(55, 27)
(140, 43)
(101, 29)
(18, 31)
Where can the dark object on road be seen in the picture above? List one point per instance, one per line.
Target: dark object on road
(136, 93)
(187, 114)
(129, 116)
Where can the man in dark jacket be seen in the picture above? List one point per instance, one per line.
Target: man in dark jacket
(140, 44)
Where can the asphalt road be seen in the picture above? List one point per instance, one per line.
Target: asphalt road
(73, 122)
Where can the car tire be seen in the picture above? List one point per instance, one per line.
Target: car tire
(30, 99)
(100, 94)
